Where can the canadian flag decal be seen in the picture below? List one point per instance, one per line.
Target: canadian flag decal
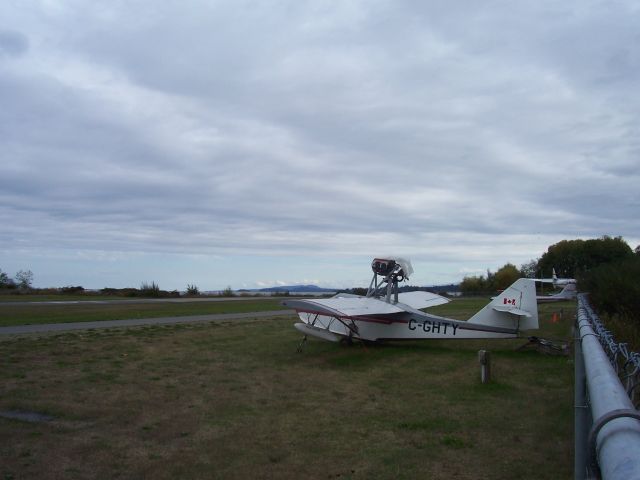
(509, 301)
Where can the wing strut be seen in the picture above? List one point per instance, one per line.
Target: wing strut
(316, 326)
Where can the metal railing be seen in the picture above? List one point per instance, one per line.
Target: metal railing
(607, 423)
(625, 363)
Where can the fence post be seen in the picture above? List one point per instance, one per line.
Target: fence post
(484, 357)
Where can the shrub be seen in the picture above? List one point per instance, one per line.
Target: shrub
(71, 289)
(24, 279)
(227, 292)
(192, 290)
(149, 290)
(614, 288)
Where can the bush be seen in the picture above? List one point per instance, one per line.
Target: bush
(614, 288)
(227, 292)
(149, 290)
(72, 289)
(24, 279)
(8, 285)
(146, 290)
(474, 285)
(193, 290)
(280, 293)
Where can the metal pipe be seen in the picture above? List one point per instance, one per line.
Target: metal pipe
(617, 438)
(581, 422)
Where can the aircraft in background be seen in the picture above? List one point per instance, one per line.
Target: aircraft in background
(557, 282)
(386, 314)
(569, 292)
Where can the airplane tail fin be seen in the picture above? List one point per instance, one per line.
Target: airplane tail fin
(516, 307)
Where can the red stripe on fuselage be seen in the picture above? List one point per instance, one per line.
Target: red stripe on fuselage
(354, 318)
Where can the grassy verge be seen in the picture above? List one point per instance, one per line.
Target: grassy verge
(460, 308)
(46, 313)
(69, 297)
(234, 400)
(15, 298)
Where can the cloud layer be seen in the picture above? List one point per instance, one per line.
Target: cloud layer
(464, 135)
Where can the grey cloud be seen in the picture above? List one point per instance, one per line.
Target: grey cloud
(13, 44)
(288, 129)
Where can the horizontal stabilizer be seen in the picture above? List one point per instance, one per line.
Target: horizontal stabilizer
(513, 311)
(420, 300)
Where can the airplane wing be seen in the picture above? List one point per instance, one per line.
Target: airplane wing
(344, 306)
(420, 300)
(357, 306)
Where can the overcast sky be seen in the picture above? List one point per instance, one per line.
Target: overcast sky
(246, 144)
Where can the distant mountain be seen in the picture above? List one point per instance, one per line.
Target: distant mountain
(292, 288)
(316, 289)
(440, 289)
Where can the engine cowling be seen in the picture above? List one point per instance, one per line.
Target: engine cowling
(383, 267)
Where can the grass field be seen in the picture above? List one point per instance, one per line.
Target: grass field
(8, 298)
(89, 312)
(235, 400)
(13, 298)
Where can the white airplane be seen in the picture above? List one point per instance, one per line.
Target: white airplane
(557, 282)
(386, 314)
(569, 292)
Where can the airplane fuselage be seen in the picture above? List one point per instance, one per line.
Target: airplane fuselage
(411, 327)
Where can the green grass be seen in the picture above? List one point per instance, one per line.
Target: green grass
(461, 308)
(46, 313)
(624, 329)
(59, 297)
(75, 297)
(234, 400)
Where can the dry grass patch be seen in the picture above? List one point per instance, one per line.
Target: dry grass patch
(234, 400)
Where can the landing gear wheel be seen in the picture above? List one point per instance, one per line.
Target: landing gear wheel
(348, 341)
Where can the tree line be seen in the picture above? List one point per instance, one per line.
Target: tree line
(607, 268)
(492, 282)
(22, 282)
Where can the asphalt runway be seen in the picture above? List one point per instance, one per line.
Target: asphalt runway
(65, 327)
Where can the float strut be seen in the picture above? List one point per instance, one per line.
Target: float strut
(304, 340)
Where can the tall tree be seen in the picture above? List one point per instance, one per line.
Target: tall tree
(570, 258)
(24, 279)
(473, 285)
(4, 279)
(505, 276)
(529, 269)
